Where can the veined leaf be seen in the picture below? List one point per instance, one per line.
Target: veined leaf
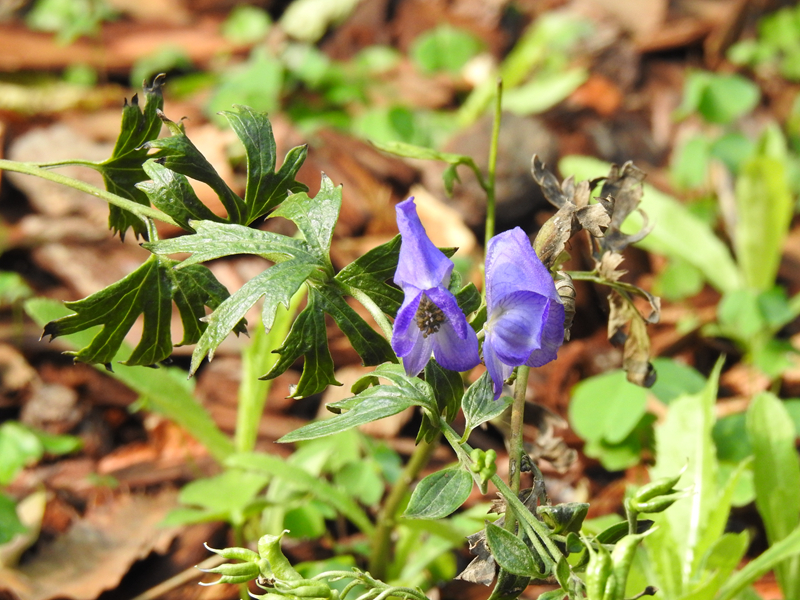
(479, 404)
(277, 284)
(314, 217)
(123, 170)
(148, 291)
(215, 240)
(439, 494)
(171, 192)
(179, 154)
(510, 552)
(266, 188)
(308, 337)
(370, 272)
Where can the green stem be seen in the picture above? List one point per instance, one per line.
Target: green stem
(490, 184)
(373, 309)
(515, 442)
(387, 517)
(118, 201)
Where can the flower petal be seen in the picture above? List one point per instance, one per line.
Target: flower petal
(454, 352)
(420, 352)
(498, 371)
(516, 325)
(512, 265)
(552, 336)
(405, 330)
(447, 303)
(421, 264)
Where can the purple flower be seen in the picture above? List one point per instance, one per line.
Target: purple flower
(525, 322)
(429, 320)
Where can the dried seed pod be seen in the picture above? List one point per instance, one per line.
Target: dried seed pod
(566, 291)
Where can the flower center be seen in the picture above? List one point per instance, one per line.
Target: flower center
(429, 317)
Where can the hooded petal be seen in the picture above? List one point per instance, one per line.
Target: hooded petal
(405, 330)
(515, 326)
(453, 352)
(421, 264)
(552, 336)
(512, 265)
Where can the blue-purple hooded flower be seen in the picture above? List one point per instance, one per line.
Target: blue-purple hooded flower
(429, 322)
(525, 317)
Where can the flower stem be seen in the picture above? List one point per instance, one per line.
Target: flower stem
(490, 184)
(373, 309)
(387, 517)
(515, 443)
(118, 201)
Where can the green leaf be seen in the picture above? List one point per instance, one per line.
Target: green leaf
(314, 217)
(166, 389)
(148, 291)
(444, 48)
(277, 284)
(676, 232)
(228, 492)
(544, 91)
(764, 209)
(370, 345)
(674, 379)
(266, 188)
(468, 298)
(123, 170)
(171, 192)
(19, 447)
(215, 240)
(777, 478)
(727, 97)
(479, 405)
(448, 388)
(372, 404)
(370, 272)
(606, 407)
(510, 552)
(439, 494)
(308, 337)
(179, 154)
(10, 525)
(321, 489)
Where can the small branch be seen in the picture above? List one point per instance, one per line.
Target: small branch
(373, 309)
(118, 201)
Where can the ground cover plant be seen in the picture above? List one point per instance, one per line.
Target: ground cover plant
(458, 341)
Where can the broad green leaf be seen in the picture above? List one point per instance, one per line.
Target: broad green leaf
(19, 448)
(413, 387)
(276, 284)
(314, 217)
(510, 552)
(674, 379)
(777, 553)
(370, 272)
(308, 337)
(149, 291)
(684, 441)
(230, 491)
(373, 404)
(764, 208)
(179, 154)
(727, 97)
(544, 91)
(266, 188)
(57, 443)
(777, 478)
(319, 487)
(468, 298)
(171, 192)
(479, 405)
(362, 480)
(123, 170)
(606, 407)
(165, 389)
(215, 240)
(676, 232)
(370, 345)
(439, 494)
(448, 388)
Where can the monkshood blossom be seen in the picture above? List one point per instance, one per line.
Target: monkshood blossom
(525, 317)
(429, 322)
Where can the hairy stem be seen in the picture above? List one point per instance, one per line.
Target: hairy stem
(387, 517)
(515, 442)
(118, 201)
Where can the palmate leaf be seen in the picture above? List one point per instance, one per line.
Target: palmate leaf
(370, 273)
(149, 291)
(123, 170)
